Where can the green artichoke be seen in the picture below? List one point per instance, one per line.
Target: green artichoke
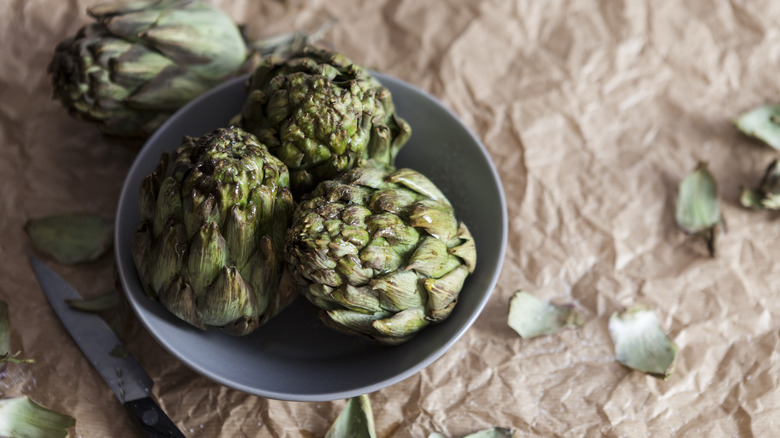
(142, 60)
(381, 253)
(213, 222)
(321, 115)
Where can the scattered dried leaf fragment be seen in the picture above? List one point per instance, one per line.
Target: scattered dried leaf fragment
(20, 417)
(640, 343)
(493, 432)
(530, 317)
(356, 420)
(762, 123)
(110, 302)
(71, 238)
(698, 206)
(5, 339)
(767, 194)
(99, 303)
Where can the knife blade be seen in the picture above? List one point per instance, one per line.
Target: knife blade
(124, 375)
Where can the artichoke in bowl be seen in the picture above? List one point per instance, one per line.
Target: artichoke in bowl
(381, 253)
(142, 60)
(321, 114)
(213, 220)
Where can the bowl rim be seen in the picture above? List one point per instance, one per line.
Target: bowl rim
(432, 356)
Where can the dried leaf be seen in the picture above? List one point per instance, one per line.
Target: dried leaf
(493, 432)
(698, 206)
(530, 317)
(762, 123)
(767, 194)
(109, 302)
(20, 417)
(355, 421)
(751, 199)
(100, 303)
(640, 343)
(5, 338)
(71, 238)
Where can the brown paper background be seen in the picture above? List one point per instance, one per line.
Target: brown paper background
(593, 111)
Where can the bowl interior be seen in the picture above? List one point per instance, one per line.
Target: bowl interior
(295, 357)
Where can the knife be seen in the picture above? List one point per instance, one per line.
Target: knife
(98, 342)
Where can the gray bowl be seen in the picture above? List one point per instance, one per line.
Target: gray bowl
(294, 357)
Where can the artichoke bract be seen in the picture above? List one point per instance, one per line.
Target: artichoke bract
(321, 114)
(380, 252)
(767, 194)
(142, 60)
(213, 220)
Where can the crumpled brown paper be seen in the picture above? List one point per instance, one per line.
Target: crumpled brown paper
(592, 112)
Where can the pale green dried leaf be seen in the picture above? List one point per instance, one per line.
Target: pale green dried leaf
(356, 420)
(751, 199)
(20, 417)
(5, 338)
(493, 432)
(762, 123)
(641, 344)
(771, 201)
(698, 206)
(530, 316)
(766, 195)
(5, 332)
(71, 238)
(99, 303)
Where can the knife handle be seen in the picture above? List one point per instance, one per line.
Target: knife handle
(151, 419)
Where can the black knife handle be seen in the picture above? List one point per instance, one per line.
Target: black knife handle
(152, 420)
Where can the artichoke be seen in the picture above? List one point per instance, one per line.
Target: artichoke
(321, 115)
(380, 253)
(213, 222)
(142, 60)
